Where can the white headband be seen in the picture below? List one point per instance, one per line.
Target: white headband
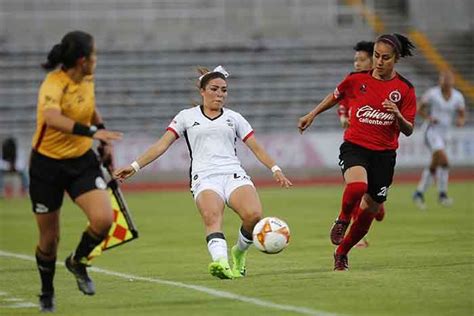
(218, 69)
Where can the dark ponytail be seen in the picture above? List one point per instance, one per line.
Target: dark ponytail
(401, 44)
(74, 45)
(406, 46)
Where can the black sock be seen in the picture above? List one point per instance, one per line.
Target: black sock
(46, 269)
(86, 245)
(245, 233)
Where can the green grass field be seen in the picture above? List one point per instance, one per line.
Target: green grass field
(418, 263)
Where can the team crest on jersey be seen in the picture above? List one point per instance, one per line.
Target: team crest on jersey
(395, 96)
(229, 122)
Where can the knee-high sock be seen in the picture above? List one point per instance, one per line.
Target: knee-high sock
(356, 232)
(442, 177)
(88, 242)
(351, 198)
(425, 181)
(217, 246)
(46, 268)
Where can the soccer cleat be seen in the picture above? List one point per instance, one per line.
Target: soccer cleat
(444, 200)
(84, 283)
(221, 269)
(338, 231)
(238, 258)
(363, 243)
(419, 200)
(46, 302)
(341, 262)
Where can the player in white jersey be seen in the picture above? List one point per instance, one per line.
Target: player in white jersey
(217, 178)
(438, 107)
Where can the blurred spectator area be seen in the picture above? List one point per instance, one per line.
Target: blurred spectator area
(283, 55)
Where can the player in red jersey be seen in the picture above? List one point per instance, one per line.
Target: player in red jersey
(382, 104)
(362, 62)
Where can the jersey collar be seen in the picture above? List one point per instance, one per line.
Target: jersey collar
(212, 119)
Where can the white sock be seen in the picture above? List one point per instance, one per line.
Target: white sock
(425, 181)
(243, 243)
(217, 248)
(442, 176)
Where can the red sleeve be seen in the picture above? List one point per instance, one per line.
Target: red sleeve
(342, 89)
(408, 108)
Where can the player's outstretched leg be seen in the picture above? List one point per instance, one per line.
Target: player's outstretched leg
(221, 269)
(78, 269)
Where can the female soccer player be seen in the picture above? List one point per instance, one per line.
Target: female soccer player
(438, 106)
(362, 62)
(217, 178)
(382, 104)
(62, 160)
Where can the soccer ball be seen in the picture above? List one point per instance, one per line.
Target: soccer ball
(271, 235)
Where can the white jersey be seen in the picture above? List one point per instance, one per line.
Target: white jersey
(441, 109)
(211, 142)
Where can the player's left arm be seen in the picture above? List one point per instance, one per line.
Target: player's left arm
(268, 161)
(461, 117)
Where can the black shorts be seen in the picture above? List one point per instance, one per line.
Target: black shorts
(49, 178)
(380, 166)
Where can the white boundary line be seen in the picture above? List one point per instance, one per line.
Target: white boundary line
(210, 291)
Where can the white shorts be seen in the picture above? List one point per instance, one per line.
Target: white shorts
(435, 139)
(222, 184)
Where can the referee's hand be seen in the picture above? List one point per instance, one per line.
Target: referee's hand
(107, 136)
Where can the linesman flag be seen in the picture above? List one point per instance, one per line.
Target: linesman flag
(123, 229)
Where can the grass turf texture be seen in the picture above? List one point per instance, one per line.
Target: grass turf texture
(418, 262)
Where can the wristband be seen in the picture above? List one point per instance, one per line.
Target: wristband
(84, 130)
(275, 168)
(135, 166)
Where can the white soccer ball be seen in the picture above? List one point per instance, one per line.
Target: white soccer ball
(271, 235)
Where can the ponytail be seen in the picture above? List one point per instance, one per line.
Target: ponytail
(54, 57)
(406, 46)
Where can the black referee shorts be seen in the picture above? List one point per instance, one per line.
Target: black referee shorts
(49, 178)
(380, 166)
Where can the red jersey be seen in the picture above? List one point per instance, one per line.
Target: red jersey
(371, 126)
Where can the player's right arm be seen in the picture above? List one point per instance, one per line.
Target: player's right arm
(305, 121)
(152, 153)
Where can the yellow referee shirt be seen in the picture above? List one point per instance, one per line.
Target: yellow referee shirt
(77, 102)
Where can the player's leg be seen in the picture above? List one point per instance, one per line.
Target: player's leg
(98, 209)
(245, 202)
(433, 142)
(353, 163)
(87, 189)
(442, 178)
(45, 254)
(46, 195)
(380, 176)
(211, 207)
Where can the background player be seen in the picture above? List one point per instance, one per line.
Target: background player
(438, 106)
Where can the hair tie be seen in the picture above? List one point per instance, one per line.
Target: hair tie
(218, 69)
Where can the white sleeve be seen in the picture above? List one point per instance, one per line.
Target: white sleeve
(243, 128)
(177, 125)
(460, 104)
(426, 98)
